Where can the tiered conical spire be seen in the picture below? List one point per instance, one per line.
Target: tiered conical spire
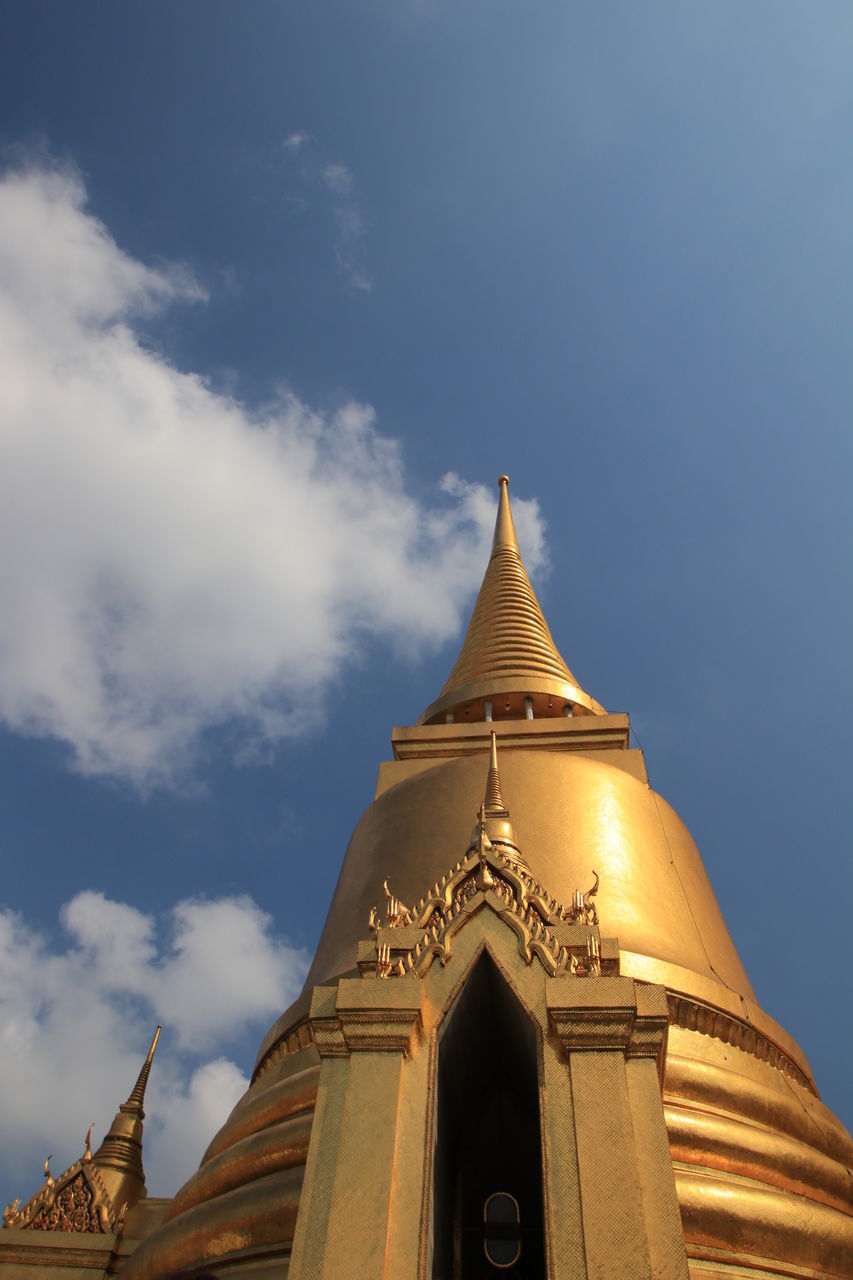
(494, 801)
(494, 815)
(137, 1093)
(508, 658)
(121, 1149)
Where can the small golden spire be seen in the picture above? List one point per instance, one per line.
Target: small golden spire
(494, 800)
(119, 1157)
(137, 1093)
(493, 822)
(48, 1175)
(87, 1154)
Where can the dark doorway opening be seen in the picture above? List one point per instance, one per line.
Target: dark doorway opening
(487, 1136)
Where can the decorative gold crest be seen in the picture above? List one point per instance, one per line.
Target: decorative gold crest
(492, 874)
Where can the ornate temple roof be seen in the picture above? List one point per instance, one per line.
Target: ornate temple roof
(94, 1193)
(508, 653)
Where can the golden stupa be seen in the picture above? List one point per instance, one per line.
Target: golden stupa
(541, 1057)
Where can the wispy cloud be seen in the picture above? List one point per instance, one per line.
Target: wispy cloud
(349, 246)
(296, 140)
(338, 179)
(128, 971)
(350, 226)
(171, 561)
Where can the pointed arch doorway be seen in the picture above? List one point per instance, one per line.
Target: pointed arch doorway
(487, 1136)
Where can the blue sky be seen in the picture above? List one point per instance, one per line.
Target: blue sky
(271, 274)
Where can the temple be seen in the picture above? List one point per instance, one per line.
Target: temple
(526, 1044)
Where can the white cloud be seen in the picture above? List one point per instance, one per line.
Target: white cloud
(296, 140)
(182, 1116)
(350, 225)
(338, 179)
(73, 1023)
(169, 560)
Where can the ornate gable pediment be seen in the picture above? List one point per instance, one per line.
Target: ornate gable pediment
(562, 939)
(75, 1201)
(404, 944)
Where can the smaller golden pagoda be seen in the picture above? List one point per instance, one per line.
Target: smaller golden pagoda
(92, 1215)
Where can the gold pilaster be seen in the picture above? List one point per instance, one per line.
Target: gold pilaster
(613, 1033)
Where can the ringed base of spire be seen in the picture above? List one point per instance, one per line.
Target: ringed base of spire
(506, 697)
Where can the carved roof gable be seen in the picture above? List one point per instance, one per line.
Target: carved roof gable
(561, 938)
(75, 1201)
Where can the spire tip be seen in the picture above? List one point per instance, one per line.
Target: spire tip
(137, 1094)
(154, 1043)
(505, 537)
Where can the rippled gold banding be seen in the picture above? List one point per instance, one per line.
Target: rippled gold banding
(261, 1107)
(747, 1150)
(743, 1221)
(281, 1146)
(703, 1083)
(260, 1214)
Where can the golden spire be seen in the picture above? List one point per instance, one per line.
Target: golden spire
(493, 818)
(117, 1186)
(509, 666)
(137, 1093)
(494, 802)
(505, 536)
(119, 1157)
